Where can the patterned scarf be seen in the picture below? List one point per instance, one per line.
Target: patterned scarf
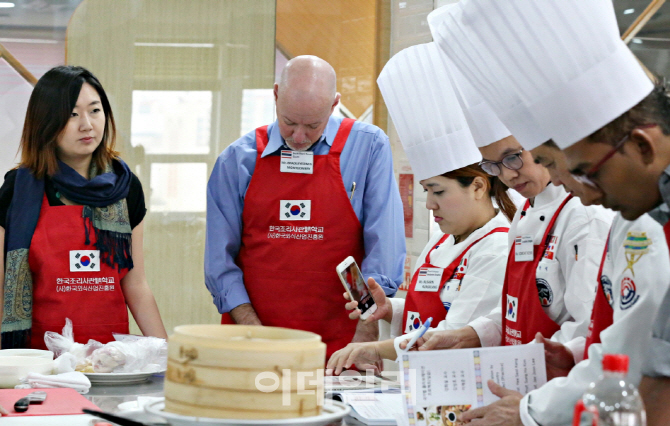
(105, 209)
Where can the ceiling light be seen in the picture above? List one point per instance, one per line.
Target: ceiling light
(628, 11)
(637, 41)
(6, 4)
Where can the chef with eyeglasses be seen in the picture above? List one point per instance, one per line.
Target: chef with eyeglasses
(555, 242)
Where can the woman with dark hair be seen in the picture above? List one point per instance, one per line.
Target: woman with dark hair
(71, 222)
(459, 274)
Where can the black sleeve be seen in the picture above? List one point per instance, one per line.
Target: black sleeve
(136, 206)
(6, 193)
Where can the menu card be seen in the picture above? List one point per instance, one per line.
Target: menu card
(439, 385)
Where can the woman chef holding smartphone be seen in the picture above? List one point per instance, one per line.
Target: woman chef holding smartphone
(460, 272)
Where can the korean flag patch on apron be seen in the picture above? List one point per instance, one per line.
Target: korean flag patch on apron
(294, 209)
(84, 260)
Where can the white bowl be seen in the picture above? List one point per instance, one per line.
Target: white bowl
(13, 368)
(39, 353)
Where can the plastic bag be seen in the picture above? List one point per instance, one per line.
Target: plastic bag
(143, 355)
(135, 354)
(65, 363)
(62, 344)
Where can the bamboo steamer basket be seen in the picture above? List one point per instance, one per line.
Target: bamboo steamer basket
(213, 371)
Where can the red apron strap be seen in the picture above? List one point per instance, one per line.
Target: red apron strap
(261, 140)
(439, 243)
(521, 296)
(552, 222)
(602, 315)
(342, 136)
(457, 261)
(420, 304)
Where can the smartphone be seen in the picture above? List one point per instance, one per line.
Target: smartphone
(358, 290)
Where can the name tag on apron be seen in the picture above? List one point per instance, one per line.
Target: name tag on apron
(297, 162)
(429, 279)
(523, 248)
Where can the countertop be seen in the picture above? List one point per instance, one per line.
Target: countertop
(109, 397)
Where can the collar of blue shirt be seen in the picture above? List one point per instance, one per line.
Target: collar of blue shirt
(276, 142)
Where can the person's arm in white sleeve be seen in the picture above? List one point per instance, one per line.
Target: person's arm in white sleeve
(396, 326)
(580, 274)
(629, 334)
(577, 346)
(489, 327)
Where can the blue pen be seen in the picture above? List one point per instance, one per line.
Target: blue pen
(422, 331)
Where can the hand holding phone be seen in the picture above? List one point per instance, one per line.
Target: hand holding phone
(355, 285)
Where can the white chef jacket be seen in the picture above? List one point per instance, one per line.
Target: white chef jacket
(629, 334)
(481, 286)
(580, 233)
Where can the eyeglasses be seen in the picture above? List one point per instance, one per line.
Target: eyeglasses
(512, 162)
(587, 177)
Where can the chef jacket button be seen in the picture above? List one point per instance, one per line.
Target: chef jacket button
(542, 218)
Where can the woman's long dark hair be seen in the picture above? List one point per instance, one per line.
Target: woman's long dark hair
(51, 103)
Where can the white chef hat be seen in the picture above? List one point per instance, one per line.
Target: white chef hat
(426, 113)
(485, 75)
(485, 126)
(564, 60)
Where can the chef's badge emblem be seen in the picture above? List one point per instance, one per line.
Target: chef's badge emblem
(545, 293)
(511, 308)
(628, 293)
(84, 260)
(461, 270)
(550, 251)
(606, 285)
(635, 246)
(413, 322)
(295, 209)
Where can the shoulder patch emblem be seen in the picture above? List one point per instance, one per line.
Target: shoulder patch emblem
(545, 292)
(635, 246)
(607, 289)
(628, 293)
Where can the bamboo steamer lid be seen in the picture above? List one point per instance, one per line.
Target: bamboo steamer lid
(213, 371)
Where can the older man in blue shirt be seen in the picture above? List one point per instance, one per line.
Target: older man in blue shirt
(287, 202)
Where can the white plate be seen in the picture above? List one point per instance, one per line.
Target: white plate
(332, 412)
(133, 410)
(119, 378)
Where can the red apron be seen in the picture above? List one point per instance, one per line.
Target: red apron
(602, 314)
(92, 300)
(521, 299)
(289, 265)
(427, 304)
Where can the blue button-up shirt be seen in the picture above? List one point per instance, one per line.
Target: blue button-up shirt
(365, 159)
